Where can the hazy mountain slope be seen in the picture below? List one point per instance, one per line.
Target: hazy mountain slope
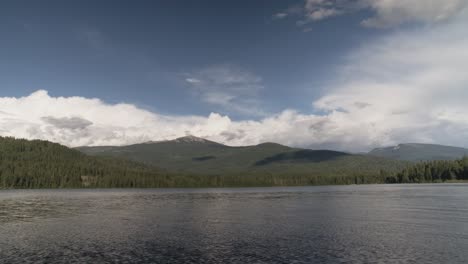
(420, 152)
(194, 155)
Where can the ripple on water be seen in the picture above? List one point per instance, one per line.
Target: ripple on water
(346, 224)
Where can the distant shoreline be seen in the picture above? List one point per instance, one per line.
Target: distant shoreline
(236, 187)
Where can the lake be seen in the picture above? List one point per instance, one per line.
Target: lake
(323, 224)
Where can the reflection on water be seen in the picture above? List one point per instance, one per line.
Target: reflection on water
(335, 224)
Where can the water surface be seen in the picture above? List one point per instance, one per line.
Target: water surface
(329, 224)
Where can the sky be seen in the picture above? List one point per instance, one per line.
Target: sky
(347, 75)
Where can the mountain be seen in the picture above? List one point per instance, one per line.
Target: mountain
(204, 157)
(42, 164)
(420, 152)
(184, 162)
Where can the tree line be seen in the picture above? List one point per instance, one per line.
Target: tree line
(432, 171)
(42, 164)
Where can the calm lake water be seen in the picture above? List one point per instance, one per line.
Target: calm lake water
(330, 224)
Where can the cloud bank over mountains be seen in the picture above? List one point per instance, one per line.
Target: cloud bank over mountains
(408, 86)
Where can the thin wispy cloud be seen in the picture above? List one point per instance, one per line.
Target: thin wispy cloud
(229, 87)
(280, 15)
(192, 80)
(386, 13)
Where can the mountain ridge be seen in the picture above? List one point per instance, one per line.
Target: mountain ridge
(426, 152)
(200, 156)
(420, 152)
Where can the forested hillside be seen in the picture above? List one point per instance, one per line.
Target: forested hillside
(42, 164)
(199, 156)
(433, 171)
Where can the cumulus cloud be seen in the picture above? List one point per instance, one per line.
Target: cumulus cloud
(67, 122)
(77, 121)
(228, 87)
(409, 86)
(386, 13)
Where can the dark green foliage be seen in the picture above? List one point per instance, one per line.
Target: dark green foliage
(304, 155)
(433, 171)
(42, 164)
(203, 158)
(198, 156)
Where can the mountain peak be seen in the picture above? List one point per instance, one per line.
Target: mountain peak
(190, 139)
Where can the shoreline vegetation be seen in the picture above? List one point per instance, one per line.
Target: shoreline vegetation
(37, 164)
(456, 182)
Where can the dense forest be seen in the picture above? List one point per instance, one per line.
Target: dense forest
(42, 164)
(433, 171)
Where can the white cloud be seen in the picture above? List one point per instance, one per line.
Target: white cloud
(67, 122)
(192, 80)
(410, 86)
(387, 13)
(321, 9)
(280, 15)
(77, 121)
(395, 12)
(228, 87)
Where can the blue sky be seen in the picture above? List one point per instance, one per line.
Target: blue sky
(140, 51)
(311, 73)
